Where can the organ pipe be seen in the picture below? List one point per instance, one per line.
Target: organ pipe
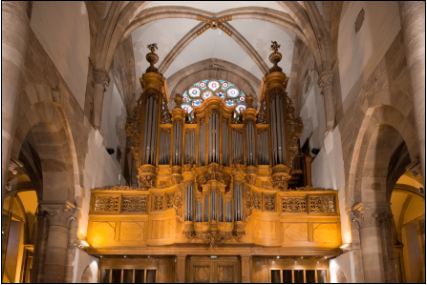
(178, 117)
(202, 140)
(224, 142)
(249, 117)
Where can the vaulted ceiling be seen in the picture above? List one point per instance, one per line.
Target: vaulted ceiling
(229, 38)
(182, 42)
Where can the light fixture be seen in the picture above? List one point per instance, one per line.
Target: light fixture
(277, 257)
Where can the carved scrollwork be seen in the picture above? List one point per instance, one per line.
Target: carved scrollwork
(178, 202)
(257, 200)
(107, 204)
(270, 202)
(294, 205)
(213, 172)
(133, 204)
(280, 181)
(166, 117)
(157, 202)
(322, 204)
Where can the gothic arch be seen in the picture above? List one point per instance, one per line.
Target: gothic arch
(43, 122)
(377, 122)
(120, 27)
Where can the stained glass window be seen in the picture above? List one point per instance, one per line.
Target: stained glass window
(202, 90)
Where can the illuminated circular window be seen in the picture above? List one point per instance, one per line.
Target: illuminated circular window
(202, 90)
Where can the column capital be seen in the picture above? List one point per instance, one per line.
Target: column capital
(325, 78)
(58, 213)
(100, 76)
(370, 215)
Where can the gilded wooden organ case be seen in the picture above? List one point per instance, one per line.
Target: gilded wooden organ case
(214, 179)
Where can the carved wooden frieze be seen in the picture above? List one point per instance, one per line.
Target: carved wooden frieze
(134, 204)
(110, 204)
(322, 204)
(310, 204)
(294, 205)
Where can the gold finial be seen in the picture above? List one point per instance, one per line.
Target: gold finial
(249, 101)
(275, 56)
(152, 57)
(178, 100)
(275, 46)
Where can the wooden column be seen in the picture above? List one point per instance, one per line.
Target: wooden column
(246, 268)
(180, 268)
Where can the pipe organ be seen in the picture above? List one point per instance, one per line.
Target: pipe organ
(215, 172)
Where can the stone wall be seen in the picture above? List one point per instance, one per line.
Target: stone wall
(52, 117)
(375, 91)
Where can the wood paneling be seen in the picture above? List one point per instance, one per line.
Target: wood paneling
(217, 269)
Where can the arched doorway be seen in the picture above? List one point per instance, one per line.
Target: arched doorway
(383, 155)
(18, 228)
(408, 208)
(44, 148)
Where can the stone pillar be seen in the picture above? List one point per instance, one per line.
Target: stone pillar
(101, 80)
(246, 269)
(180, 268)
(15, 33)
(54, 269)
(375, 255)
(413, 23)
(325, 84)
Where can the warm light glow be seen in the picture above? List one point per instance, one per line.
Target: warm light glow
(333, 270)
(83, 244)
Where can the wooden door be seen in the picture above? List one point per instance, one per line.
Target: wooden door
(206, 269)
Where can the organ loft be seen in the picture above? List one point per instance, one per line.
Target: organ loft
(222, 190)
(213, 142)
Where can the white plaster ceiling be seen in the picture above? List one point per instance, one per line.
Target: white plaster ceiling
(217, 6)
(212, 43)
(166, 33)
(260, 34)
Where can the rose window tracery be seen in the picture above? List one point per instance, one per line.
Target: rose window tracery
(202, 90)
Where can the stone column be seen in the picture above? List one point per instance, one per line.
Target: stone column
(54, 269)
(101, 81)
(325, 84)
(180, 268)
(413, 23)
(371, 220)
(246, 269)
(15, 33)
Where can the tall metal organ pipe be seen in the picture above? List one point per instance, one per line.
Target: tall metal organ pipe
(249, 117)
(277, 127)
(178, 116)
